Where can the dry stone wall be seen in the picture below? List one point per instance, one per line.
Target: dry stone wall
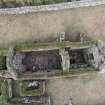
(52, 7)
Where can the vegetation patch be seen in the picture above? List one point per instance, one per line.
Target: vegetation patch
(32, 92)
(20, 3)
(27, 46)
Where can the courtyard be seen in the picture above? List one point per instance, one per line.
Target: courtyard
(42, 61)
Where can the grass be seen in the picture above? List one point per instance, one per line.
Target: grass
(27, 46)
(25, 92)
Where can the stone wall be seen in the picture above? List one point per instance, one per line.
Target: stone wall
(96, 56)
(52, 7)
(10, 94)
(14, 62)
(65, 60)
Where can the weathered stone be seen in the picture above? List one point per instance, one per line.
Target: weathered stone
(9, 62)
(10, 94)
(101, 46)
(65, 60)
(17, 63)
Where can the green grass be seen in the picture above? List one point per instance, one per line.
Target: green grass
(27, 46)
(35, 92)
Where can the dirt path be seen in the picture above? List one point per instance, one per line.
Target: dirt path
(46, 25)
(86, 90)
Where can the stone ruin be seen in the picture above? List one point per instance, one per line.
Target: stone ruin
(55, 60)
(43, 98)
(101, 47)
(14, 62)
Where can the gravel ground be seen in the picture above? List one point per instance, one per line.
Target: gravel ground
(84, 90)
(46, 25)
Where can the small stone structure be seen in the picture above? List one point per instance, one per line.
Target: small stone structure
(65, 60)
(93, 56)
(61, 37)
(101, 47)
(83, 38)
(27, 99)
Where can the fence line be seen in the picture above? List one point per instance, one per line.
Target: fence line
(51, 7)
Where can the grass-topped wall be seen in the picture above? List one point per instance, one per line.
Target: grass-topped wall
(28, 46)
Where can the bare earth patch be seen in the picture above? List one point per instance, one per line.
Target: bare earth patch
(84, 90)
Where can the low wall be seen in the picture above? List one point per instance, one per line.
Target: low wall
(51, 7)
